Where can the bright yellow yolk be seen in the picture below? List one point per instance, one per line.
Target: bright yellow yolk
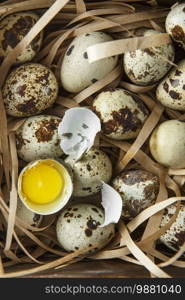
(42, 184)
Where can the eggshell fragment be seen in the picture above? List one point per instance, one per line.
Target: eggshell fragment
(122, 114)
(112, 204)
(88, 172)
(78, 228)
(174, 237)
(38, 138)
(76, 72)
(78, 129)
(138, 189)
(29, 89)
(167, 144)
(145, 67)
(13, 29)
(175, 24)
(171, 91)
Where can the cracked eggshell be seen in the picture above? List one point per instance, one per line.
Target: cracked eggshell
(122, 114)
(174, 237)
(27, 216)
(13, 29)
(29, 89)
(38, 138)
(78, 130)
(147, 66)
(175, 24)
(76, 72)
(88, 172)
(167, 144)
(78, 228)
(171, 91)
(138, 189)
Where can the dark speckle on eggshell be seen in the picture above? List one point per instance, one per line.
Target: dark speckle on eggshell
(47, 129)
(70, 50)
(175, 95)
(88, 232)
(178, 33)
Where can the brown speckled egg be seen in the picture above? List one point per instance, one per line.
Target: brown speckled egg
(122, 114)
(174, 237)
(175, 24)
(171, 91)
(13, 29)
(29, 89)
(38, 138)
(77, 228)
(76, 71)
(27, 216)
(147, 66)
(167, 144)
(93, 167)
(138, 189)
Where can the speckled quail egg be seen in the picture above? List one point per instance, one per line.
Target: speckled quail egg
(138, 189)
(13, 29)
(122, 114)
(45, 186)
(78, 228)
(88, 172)
(27, 216)
(29, 89)
(171, 91)
(167, 144)
(175, 24)
(147, 66)
(76, 72)
(174, 237)
(38, 138)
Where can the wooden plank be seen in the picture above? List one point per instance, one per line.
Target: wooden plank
(100, 269)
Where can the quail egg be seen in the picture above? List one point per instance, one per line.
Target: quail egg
(171, 91)
(174, 237)
(76, 72)
(147, 66)
(13, 29)
(78, 228)
(27, 216)
(175, 24)
(138, 189)
(38, 138)
(45, 186)
(167, 144)
(88, 172)
(122, 114)
(29, 89)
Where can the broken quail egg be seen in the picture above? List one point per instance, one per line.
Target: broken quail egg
(171, 91)
(44, 186)
(122, 114)
(13, 29)
(29, 89)
(174, 237)
(38, 138)
(93, 167)
(147, 66)
(175, 24)
(27, 216)
(76, 72)
(78, 228)
(138, 189)
(167, 144)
